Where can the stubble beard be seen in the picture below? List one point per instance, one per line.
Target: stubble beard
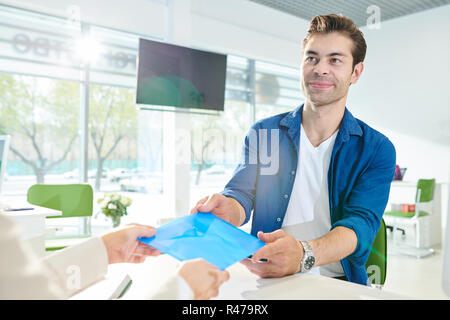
(318, 98)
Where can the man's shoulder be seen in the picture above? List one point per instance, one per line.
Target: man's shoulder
(373, 136)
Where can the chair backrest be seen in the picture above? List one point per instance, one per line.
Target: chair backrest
(426, 187)
(73, 200)
(376, 264)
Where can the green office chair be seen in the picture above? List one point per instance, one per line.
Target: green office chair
(424, 197)
(376, 264)
(73, 200)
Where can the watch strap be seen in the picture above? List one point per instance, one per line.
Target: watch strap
(306, 246)
(308, 257)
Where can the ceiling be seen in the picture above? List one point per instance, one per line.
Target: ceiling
(354, 9)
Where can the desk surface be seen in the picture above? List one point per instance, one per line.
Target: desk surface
(242, 284)
(22, 203)
(37, 211)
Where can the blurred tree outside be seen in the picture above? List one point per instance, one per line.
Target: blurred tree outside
(112, 119)
(41, 116)
(218, 139)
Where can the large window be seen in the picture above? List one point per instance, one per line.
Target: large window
(39, 98)
(254, 90)
(41, 115)
(68, 89)
(216, 140)
(277, 89)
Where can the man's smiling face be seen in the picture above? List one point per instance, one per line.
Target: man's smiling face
(327, 68)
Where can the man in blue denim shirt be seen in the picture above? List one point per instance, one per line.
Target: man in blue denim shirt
(357, 165)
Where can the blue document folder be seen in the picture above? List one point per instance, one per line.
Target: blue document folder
(203, 235)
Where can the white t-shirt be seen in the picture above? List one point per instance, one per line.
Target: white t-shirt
(308, 212)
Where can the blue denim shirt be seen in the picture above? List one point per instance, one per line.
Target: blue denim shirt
(361, 169)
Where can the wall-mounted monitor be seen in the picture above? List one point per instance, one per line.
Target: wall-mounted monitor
(180, 77)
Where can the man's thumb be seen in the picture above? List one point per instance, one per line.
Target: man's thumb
(271, 236)
(145, 231)
(210, 204)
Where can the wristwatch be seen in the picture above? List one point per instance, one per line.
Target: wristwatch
(308, 257)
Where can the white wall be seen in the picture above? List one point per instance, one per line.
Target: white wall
(403, 91)
(248, 29)
(424, 159)
(146, 17)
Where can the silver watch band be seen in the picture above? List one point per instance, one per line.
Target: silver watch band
(306, 246)
(308, 257)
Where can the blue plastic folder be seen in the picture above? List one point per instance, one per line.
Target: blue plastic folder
(203, 235)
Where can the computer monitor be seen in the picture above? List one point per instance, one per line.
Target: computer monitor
(446, 249)
(4, 147)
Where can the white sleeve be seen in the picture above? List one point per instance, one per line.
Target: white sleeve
(24, 276)
(80, 265)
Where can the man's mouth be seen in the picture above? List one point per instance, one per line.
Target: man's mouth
(320, 85)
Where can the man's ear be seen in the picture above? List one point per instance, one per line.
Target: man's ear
(357, 70)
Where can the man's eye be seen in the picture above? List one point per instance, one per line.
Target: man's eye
(311, 59)
(335, 61)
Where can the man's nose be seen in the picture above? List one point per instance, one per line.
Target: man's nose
(321, 68)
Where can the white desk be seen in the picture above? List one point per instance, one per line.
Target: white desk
(32, 224)
(242, 285)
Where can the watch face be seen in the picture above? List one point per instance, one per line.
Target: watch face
(309, 262)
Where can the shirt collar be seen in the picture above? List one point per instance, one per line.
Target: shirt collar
(349, 125)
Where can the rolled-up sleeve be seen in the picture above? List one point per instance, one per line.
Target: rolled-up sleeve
(242, 186)
(364, 208)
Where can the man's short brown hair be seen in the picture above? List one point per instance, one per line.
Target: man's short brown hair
(338, 23)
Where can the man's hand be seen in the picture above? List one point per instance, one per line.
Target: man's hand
(223, 207)
(122, 244)
(203, 278)
(283, 254)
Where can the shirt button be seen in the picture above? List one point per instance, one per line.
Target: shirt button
(278, 219)
(286, 196)
(292, 172)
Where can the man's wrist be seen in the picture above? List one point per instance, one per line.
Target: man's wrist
(302, 253)
(308, 260)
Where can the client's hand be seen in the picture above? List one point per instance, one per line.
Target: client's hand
(122, 245)
(203, 278)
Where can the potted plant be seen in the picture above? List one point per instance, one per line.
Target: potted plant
(114, 206)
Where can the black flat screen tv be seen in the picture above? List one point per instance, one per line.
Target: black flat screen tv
(171, 75)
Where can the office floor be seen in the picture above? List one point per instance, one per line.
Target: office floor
(412, 277)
